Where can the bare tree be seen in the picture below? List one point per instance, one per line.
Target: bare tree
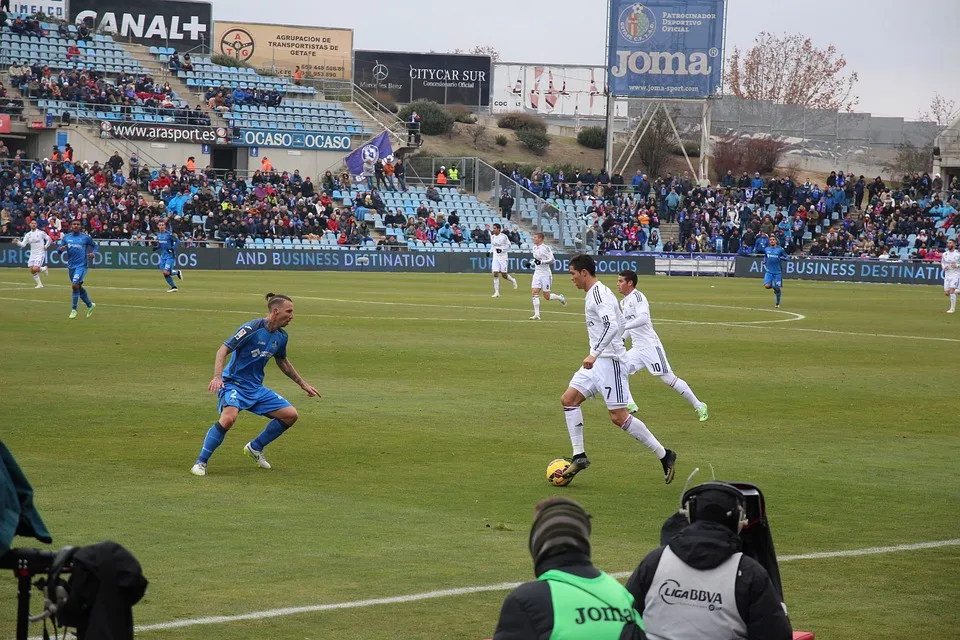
(941, 111)
(658, 142)
(480, 50)
(789, 69)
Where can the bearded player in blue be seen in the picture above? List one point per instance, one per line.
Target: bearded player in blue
(167, 244)
(79, 247)
(773, 258)
(240, 385)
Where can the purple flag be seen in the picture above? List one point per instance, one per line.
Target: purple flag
(376, 149)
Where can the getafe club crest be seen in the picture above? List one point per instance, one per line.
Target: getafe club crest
(370, 152)
(637, 23)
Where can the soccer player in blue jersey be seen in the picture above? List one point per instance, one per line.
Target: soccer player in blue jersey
(240, 384)
(80, 248)
(167, 244)
(773, 258)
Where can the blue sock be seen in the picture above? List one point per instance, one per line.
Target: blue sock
(271, 432)
(214, 438)
(170, 282)
(76, 299)
(84, 297)
(777, 291)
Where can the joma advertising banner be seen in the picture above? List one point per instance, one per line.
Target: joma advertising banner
(319, 260)
(847, 270)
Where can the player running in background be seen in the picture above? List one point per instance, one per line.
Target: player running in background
(38, 242)
(646, 350)
(603, 372)
(773, 258)
(240, 385)
(80, 248)
(167, 244)
(542, 275)
(500, 247)
(951, 273)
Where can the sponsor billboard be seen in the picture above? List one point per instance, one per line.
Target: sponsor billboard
(292, 140)
(562, 90)
(4, 123)
(54, 8)
(442, 78)
(163, 132)
(320, 52)
(319, 260)
(666, 48)
(847, 270)
(170, 23)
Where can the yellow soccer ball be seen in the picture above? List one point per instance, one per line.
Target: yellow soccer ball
(555, 472)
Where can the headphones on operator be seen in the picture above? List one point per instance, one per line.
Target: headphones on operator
(55, 593)
(691, 500)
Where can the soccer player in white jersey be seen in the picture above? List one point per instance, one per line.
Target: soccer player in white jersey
(603, 372)
(951, 273)
(646, 350)
(542, 275)
(38, 242)
(500, 248)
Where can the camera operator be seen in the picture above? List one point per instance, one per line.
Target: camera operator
(700, 586)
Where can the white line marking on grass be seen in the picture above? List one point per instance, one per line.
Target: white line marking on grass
(504, 586)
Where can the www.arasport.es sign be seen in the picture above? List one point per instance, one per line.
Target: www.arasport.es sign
(163, 132)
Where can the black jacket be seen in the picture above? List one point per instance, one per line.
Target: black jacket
(706, 545)
(527, 612)
(18, 515)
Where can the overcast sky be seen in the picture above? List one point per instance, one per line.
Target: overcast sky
(904, 52)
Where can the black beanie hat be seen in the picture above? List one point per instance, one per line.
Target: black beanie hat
(559, 522)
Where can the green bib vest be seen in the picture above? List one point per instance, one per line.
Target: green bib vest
(589, 608)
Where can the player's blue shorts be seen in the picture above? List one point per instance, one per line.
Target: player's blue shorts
(77, 274)
(168, 263)
(260, 402)
(775, 280)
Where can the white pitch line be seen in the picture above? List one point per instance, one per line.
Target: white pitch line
(505, 586)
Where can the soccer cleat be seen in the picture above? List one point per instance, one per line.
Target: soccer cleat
(951, 310)
(515, 284)
(179, 274)
(199, 469)
(90, 309)
(777, 307)
(73, 314)
(632, 407)
(669, 463)
(496, 295)
(39, 286)
(702, 412)
(535, 316)
(44, 270)
(578, 464)
(256, 455)
(563, 301)
(172, 290)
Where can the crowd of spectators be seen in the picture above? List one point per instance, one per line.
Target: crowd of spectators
(845, 216)
(427, 225)
(223, 98)
(8, 104)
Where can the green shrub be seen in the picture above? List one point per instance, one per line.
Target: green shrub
(386, 100)
(536, 141)
(224, 60)
(434, 119)
(501, 140)
(519, 121)
(693, 149)
(461, 114)
(592, 137)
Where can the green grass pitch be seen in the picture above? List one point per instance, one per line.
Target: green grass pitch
(419, 468)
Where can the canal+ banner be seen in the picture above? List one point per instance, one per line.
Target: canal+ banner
(665, 48)
(291, 140)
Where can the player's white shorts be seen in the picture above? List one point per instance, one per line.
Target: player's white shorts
(37, 261)
(499, 264)
(607, 378)
(653, 359)
(542, 281)
(951, 281)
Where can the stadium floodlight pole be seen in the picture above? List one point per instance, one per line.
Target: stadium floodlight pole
(608, 90)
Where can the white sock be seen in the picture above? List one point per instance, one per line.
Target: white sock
(536, 305)
(681, 387)
(555, 296)
(509, 278)
(496, 284)
(36, 278)
(636, 428)
(953, 301)
(574, 417)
